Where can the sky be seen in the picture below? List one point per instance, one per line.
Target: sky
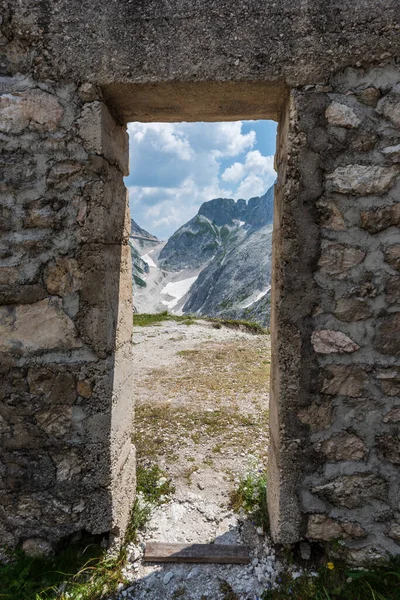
(175, 167)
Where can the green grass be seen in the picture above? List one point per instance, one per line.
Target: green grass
(342, 583)
(145, 320)
(82, 571)
(251, 496)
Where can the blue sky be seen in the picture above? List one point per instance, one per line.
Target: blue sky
(175, 167)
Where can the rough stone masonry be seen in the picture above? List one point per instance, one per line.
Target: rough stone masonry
(72, 75)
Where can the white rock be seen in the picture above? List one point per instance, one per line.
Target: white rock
(167, 577)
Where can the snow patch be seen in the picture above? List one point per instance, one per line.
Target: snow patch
(147, 259)
(177, 289)
(258, 297)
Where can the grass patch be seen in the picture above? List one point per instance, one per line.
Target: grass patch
(217, 371)
(251, 496)
(163, 426)
(339, 582)
(146, 319)
(83, 571)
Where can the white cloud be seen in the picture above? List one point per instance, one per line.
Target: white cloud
(175, 167)
(256, 174)
(165, 137)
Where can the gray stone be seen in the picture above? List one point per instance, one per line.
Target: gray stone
(379, 219)
(328, 341)
(392, 152)
(341, 115)
(336, 258)
(361, 180)
(343, 446)
(344, 380)
(36, 327)
(352, 309)
(352, 491)
(387, 340)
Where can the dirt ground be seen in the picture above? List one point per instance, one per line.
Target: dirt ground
(202, 415)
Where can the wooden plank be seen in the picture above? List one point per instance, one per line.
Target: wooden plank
(196, 553)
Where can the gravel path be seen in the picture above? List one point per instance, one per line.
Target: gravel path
(201, 415)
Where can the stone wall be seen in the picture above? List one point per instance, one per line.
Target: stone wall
(67, 461)
(335, 437)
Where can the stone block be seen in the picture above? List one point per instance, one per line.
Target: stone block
(394, 532)
(84, 388)
(392, 152)
(326, 341)
(344, 380)
(62, 277)
(102, 135)
(387, 340)
(392, 256)
(37, 547)
(352, 309)
(389, 107)
(362, 180)
(37, 327)
(389, 380)
(392, 289)
(341, 115)
(322, 527)
(388, 448)
(393, 416)
(369, 96)
(32, 108)
(336, 258)
(317, 416)
(354, 491)
(378, 219)
(344, 446)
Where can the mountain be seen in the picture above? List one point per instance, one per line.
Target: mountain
(218, 264)
(140, 242)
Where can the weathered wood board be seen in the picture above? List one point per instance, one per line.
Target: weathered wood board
(196, 553)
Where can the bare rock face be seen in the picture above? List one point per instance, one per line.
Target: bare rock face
(33, 108)
(361, 180)
(36, 327)
(352, 491)
(327, 341)
(321, 527)
(344, 380)
(341, 115)
(344, 446)
(387, 339)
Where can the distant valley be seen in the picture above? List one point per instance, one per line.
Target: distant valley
(218, 264)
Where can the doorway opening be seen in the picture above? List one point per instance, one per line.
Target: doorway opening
(201, 199)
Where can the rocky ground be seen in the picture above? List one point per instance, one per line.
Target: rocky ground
(202, 416)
